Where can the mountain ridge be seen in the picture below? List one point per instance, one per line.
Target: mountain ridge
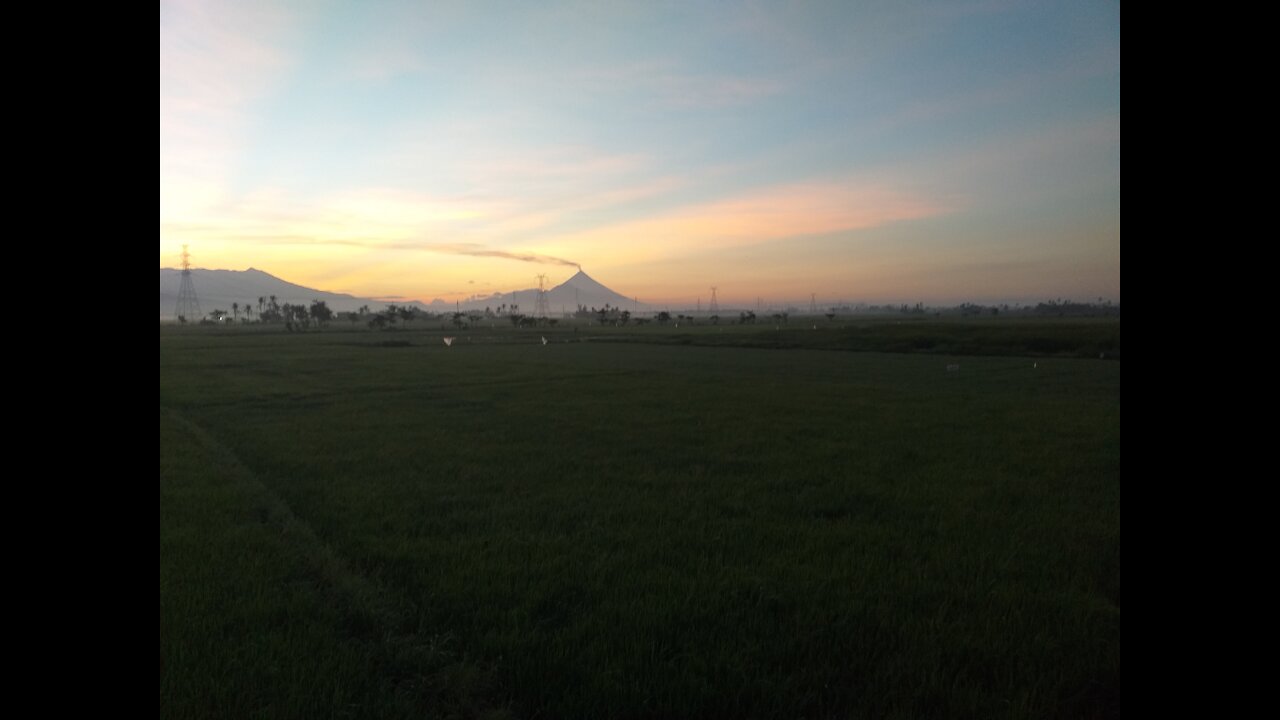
(219, 288)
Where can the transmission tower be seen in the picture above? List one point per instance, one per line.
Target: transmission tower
(714, 306)
(813, 303)
(188, 304)
(540, 307)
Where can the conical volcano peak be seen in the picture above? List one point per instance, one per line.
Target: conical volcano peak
(583, 281)
(582, 289)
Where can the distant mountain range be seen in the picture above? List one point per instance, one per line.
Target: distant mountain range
(218, 289)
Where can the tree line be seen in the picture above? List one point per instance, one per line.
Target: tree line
(269, 310)
(318, 314)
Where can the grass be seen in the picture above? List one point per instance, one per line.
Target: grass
(636, 527)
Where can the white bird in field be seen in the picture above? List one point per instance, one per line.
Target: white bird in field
(448, 341)
(544, 339)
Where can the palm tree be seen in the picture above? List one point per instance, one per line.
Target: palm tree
(235, 310)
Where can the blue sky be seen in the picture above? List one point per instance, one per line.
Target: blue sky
(898, 151)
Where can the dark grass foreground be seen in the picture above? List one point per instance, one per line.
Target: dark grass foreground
(587, 529)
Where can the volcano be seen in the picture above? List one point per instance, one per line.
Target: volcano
(581, 289)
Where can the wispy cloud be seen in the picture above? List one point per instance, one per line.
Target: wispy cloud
(215, 59)
(769, 214)
(475, 250)
(670, 84)
(383, 62)
(406, 148)
(374, 222)
(319, 241)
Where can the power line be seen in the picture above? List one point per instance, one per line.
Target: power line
(188, 309)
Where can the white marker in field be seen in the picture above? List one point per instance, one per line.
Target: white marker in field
(448, 341)
(544, 339)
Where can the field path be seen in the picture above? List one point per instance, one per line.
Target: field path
(233, 554)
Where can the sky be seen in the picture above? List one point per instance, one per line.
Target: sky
(901, 151)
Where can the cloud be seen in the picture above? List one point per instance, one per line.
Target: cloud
(769, 214)
(216, 59)
(384, 61)
(671, 85)
(362, 227)
(469, 249)
(475, 250)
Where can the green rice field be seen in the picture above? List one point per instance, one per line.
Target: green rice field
(816, 520)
